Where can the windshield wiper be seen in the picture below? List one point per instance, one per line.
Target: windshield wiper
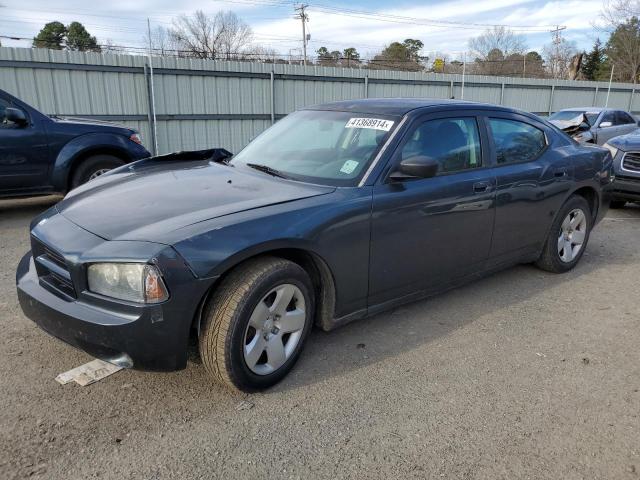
(268, 170)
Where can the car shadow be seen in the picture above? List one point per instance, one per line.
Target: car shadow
(13, 211)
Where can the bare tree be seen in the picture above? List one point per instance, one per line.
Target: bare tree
(222, 35)
(235, 34)
(492, 48)
(161, 42)
(559, 57)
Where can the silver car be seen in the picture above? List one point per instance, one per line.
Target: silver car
(594, 125)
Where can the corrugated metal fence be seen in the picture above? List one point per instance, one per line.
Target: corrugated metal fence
(204, 103)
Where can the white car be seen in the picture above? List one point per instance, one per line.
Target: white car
(594, 125)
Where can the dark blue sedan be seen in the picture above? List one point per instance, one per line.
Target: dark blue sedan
(335, 213)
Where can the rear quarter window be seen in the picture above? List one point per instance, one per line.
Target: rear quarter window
(516, 141)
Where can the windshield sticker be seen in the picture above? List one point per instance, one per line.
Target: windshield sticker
(374, 123)
(349, 166)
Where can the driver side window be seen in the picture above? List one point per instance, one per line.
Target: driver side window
(608, 117)
(3, 117)
(454, 143)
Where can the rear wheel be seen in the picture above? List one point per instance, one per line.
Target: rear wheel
(93, 167)
(617, 203)
(255, 325)
(568, 237)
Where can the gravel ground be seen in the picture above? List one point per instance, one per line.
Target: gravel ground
(521, 375)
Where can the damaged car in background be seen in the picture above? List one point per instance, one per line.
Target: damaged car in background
(594, 125)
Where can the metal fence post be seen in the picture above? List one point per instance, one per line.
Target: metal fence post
(366, 86)
(553, 89)
(451, 89)
(273, 97)
(595, 97)
(633, 92)
(502, 94)
(151, 117)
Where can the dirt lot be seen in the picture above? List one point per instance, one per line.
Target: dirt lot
(522, 375)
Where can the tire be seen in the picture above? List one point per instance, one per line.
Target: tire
(560, 254)
(92, 167)
(615, 204)
(241, 329)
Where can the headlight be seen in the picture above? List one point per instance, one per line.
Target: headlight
(135, 282)
(613, 150)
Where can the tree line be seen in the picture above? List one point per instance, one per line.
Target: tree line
(497, 51)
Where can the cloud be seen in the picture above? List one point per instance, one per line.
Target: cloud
(124, 21)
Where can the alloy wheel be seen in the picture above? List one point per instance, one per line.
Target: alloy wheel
(275, 329)
(97, 173)
(572, 236)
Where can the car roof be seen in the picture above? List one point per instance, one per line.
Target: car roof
(398, 106)
(586, 109)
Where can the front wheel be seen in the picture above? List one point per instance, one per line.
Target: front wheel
(255, 325)
(93, 167)
(568, 237)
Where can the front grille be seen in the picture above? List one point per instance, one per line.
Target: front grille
(52, 269)
(631, 161)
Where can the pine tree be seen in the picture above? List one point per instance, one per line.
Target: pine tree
(593, 62)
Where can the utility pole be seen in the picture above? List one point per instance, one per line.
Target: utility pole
(557, 41)
(302, 15)
(153, 128)
(606, 104)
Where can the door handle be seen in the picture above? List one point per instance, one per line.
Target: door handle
(560, 172)
(481, 187)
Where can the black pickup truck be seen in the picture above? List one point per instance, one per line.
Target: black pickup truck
(42, 154)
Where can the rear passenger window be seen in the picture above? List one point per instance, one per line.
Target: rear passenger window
(453, 142)
(516, 141)
(623, 118)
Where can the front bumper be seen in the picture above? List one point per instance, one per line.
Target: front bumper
(143, 337)
(55, 295)
(626, 188)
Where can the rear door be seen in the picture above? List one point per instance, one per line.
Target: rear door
(24, 153)
(532, 181)
(427, 232)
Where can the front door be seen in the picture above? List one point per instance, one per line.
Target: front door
(24, 162)
(429, 231)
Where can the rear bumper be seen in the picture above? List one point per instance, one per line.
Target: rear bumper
(147, 337)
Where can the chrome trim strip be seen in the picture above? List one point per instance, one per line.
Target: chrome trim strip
(381, 152)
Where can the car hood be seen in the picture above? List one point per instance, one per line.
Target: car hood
(148, 199)
(626, 143)
(570, 125)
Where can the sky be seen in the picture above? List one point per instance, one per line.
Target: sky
(124, 22)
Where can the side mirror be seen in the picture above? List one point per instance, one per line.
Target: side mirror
(418, 166)
(16, 116)
(605, 124)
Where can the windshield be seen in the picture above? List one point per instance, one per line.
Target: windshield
(330, 148)
(566, 115)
